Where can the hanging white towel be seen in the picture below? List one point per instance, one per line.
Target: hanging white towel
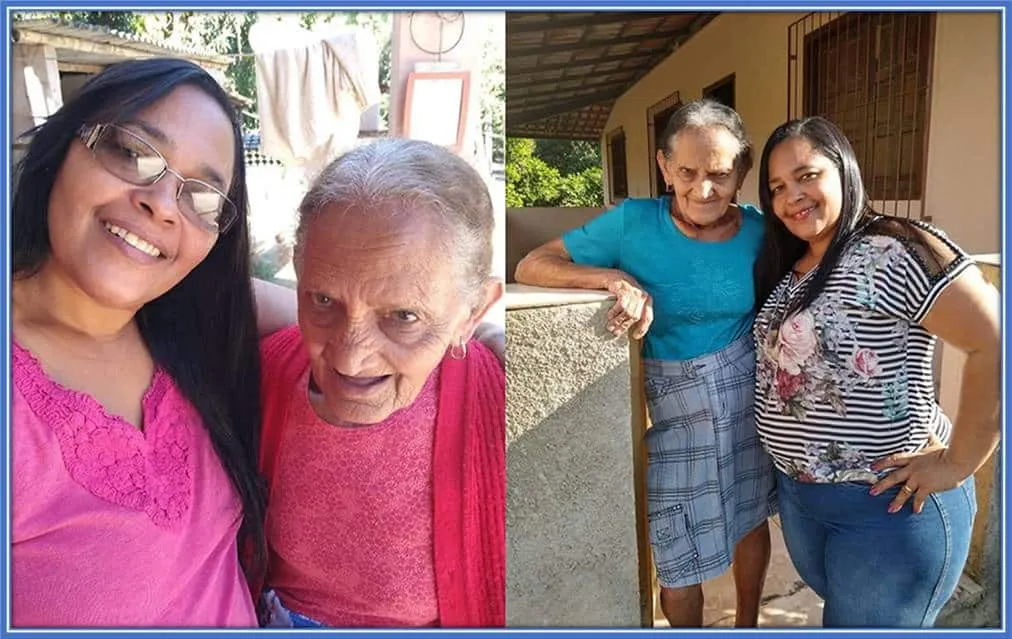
(311, 95)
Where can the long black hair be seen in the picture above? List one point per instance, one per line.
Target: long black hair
(781, 249)
(202, 331)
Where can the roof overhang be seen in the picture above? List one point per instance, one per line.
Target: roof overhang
(564, 71)
(83, 48)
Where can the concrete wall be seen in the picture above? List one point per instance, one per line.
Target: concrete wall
(411, 29)
(529, 228)
(274, 195)
(572, 553)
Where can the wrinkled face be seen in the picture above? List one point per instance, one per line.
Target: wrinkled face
(700, 167)
(379, 304)
(125, 245)
(806, 189)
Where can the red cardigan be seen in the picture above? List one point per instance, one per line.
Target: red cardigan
(469, 473)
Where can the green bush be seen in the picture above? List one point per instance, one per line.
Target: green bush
(532, 181)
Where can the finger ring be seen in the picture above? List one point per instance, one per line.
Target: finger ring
(907, 489)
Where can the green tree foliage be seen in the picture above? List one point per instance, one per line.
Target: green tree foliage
(529, 181)
(493, 86)
(582, 189)
(571, 179)
(569, 156)
(125, 21)
(225, 33)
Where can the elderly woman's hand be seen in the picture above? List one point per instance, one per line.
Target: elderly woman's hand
(633, 310)
(919, 474)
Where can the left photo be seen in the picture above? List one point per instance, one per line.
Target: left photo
(257, 331)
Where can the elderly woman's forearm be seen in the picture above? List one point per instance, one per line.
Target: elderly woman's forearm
(557, 272)
(276, 306)
(977, 428)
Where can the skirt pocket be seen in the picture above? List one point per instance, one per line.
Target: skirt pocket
(674, 549)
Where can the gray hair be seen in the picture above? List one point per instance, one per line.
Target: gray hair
(409, 177)
(710, 114)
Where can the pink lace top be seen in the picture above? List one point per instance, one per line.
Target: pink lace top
(114, 526)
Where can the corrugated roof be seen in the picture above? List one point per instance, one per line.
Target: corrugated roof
(105, 35)
(564, 71)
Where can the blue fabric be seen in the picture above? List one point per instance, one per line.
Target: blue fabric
(702, 291)
(873, 568)
(709, 480)
(276, 615)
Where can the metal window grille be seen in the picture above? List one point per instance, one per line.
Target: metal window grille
(870, 73)
(616, 162)
(657, 120)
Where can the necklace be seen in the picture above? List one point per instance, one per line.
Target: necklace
(723, 220)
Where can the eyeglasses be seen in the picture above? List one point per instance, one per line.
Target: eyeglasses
(132, 159)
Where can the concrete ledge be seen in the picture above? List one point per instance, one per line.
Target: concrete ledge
(520, 296)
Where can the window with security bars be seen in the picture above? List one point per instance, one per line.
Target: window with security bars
(616, 165)
(870, 73)
(657, 120)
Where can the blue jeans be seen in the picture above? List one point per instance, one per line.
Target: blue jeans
(872, 568)
(280, 617)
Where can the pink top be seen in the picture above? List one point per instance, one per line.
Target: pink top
(468, 484)
(114, 526)
(349, 522)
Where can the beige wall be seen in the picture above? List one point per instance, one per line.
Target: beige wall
(750, 45)
(964, 135)
(529, 228)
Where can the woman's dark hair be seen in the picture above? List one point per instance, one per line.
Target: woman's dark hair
(781, 249)
(706, 114)
(203, 331)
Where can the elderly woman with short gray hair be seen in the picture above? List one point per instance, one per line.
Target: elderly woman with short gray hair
(384, 422)
(688, 258)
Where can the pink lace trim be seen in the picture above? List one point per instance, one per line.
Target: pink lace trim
(110, 457)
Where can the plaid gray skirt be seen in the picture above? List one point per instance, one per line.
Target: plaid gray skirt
(709, 480)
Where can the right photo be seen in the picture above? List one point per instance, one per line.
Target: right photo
(753, 325)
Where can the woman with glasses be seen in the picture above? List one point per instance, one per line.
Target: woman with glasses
(135, 395)
(134, 357)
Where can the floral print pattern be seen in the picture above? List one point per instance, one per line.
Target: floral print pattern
(813, 358)
(834, 462)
